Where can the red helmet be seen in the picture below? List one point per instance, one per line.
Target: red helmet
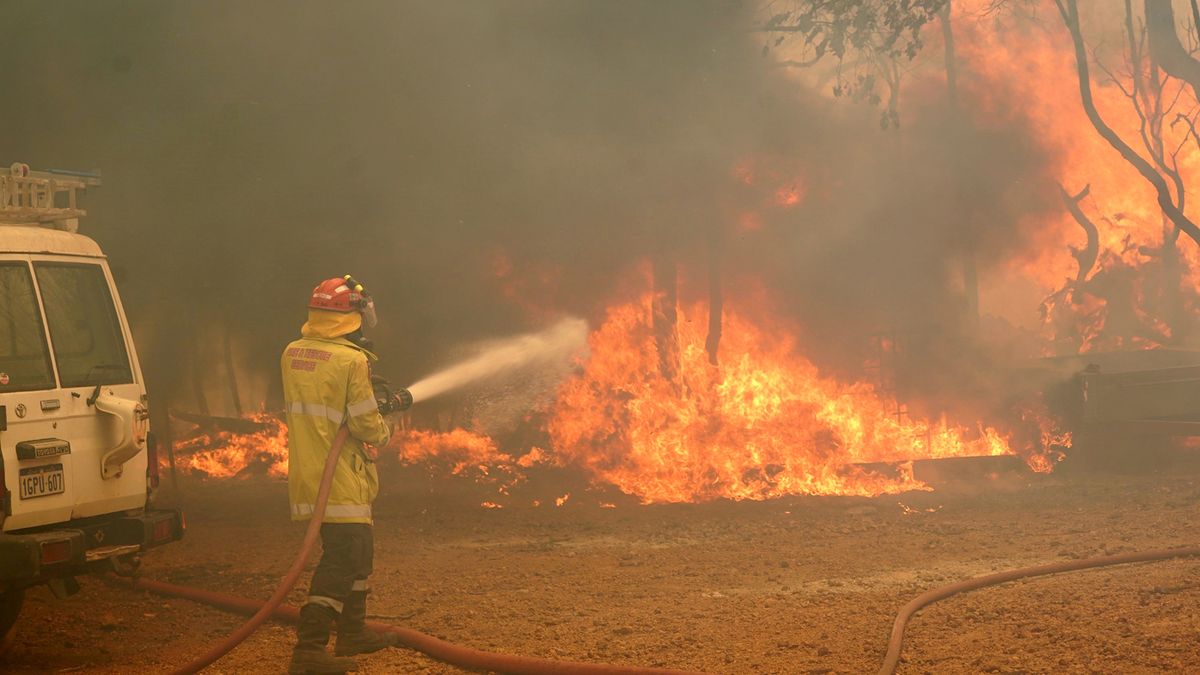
(343, 294)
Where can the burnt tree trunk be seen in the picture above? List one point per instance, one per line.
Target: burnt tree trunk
(167, 440)
(231, 373)
(666, 315)
(1086, 256)
(164, 437)
(1165, 54)
(948, 41)
(198, 378)
(171, 355)
(970, 269)
(1172, 280)
(716, 299)
(1165, 47)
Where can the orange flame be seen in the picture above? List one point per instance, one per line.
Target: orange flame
(763, 424)
(458, 449)
(1028, 77)
(223, 454)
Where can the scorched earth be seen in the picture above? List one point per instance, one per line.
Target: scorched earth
(792, 585)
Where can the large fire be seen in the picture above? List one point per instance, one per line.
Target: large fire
(1108, 272)
(763, 423)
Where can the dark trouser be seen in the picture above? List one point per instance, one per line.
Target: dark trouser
(349, 549)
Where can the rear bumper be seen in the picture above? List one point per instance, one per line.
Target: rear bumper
(30, 558)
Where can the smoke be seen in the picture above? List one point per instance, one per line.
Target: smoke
(250, 150)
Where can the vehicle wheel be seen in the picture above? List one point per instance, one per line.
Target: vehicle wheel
(10, 607)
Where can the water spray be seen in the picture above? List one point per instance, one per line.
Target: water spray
(553, 345)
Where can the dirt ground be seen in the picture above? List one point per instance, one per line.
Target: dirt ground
(803, 585)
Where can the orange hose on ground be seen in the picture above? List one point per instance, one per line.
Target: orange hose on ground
(289, 580)
(463, 657)
(474, 659)
(892, 659)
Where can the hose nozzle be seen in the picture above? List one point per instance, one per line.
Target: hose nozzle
(401, 400)
(390, 401)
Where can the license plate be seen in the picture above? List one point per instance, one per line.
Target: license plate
(42, 481)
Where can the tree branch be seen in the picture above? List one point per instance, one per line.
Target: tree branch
(1165, 46)
(1195, 20)
(951, 67)
(1070, 15)
(1180, 117)
(1086, 256)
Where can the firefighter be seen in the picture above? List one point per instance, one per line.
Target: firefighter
(327, 384)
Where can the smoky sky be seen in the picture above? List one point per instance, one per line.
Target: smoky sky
(251, 149)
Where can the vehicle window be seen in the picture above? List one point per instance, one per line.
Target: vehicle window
(24, 359)
(84, 329)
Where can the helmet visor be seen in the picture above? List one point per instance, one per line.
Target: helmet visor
(368, 313)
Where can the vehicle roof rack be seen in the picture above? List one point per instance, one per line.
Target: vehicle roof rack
(45, 198)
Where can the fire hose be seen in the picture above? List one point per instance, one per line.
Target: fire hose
(892, 659)
(474, 659)
(463, 657)
(289, 580)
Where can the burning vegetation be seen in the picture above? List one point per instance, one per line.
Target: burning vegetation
(229, 448)
(793, 301)
(761, 423)
(749, 252)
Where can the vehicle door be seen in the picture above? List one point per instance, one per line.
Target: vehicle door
(91, 354)
(36, 489)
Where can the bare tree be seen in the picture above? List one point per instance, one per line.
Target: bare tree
(716, 298)
(1165, 46)
(1153, 96)
(666, 313)
(1153, 104)
(1086, 256)
(969, 268)
(198, 371)
(231, 371)
(1069, 12)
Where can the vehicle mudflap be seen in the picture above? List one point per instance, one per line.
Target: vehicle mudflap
(29, 558)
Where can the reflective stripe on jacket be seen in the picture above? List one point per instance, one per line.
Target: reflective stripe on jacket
(326, 383)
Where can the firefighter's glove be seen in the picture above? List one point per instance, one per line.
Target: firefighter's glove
(383, 394)
(390, 401)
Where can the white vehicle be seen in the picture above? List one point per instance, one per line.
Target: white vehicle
(78, 466)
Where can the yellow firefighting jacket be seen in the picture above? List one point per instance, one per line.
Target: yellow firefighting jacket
(326, 383)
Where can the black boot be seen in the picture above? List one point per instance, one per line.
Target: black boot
(310, 657)
(353, 635)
